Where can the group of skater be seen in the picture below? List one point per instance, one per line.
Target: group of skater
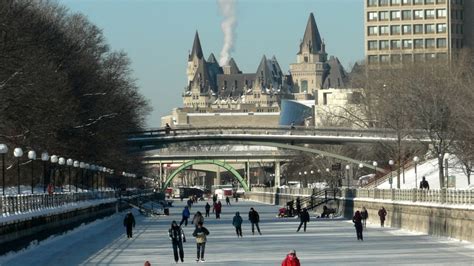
(360, 217)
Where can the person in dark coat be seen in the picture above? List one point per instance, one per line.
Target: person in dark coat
(208, 208)
(304, 218)
(227, 200)
(357, 220)
(382, 215)
(200, 233)
(298, 206)
(197, 219)
(254, 218)
(237, 223)
(167, 129)
(424, 184)
(218, 209)
(129, 223)
(177, 237)
(186, 214)
(364, 215)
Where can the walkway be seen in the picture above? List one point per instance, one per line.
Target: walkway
(327, 242)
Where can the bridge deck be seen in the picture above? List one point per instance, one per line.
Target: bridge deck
(327, 242)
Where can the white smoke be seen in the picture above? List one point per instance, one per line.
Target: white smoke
(227, 8)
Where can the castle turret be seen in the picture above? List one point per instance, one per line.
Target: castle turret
(195, 59)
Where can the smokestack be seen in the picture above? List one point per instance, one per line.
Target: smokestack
(227, 8)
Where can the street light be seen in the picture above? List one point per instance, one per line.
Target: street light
(32, 157)
(18, 152)
(54, 160)
(44, 158)
(69, 163)
(75, 164)
(416, 160)
(446, 159)
(391, 163)
(3, 150)
(305, 179)
(61, 162)
(348, 167)
(82, 165)
(87, 167)
(375, 171)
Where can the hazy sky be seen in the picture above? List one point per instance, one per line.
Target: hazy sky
(158, 34)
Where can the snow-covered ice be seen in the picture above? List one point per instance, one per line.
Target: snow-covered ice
(326, 242)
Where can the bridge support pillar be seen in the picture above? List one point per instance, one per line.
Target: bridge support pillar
(247, 170)
(277, 174)
(218, 176)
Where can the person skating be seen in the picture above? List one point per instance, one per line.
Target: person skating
(177, 237)
(129, 223)
(197, 218)
(357, 220)
(382, 215)
(254, 219)
(364, 215)
(218, 209)
(186, 214)
(208, 209)
(200, 233)
(304, 218)
(227, 200)
(291, 259)
(237, 223)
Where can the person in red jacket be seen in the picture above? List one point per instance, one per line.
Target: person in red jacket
(291, 259)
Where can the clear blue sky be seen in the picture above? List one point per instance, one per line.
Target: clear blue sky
(157, 35)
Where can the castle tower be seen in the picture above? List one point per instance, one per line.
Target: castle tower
(310, 68)
(196, 58)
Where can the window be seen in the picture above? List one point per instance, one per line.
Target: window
(418, 43)
(418, 57)
(418, 2)
(441, 28)
(372, 3)
(383, 2)
(441, 13)
(442, 56)
(429, 28)
(383, 15)
(406, 29)
(395, 2)
(406, 2)
(429, 2)
(306, 59)
(440, 1)
(407, 58)
(430, 57)
(384, 30)
(418, 29)
(384, 59)
(372, 30)
(395, 29)
(384, 45)
(430, 14)
(430, 43)
(372, 16)
(395, 15)
(441, 43)
(372, 45)
(373, 59)
(395, 44)
(396, 58)
(406, 14)
(407, 44)
(418, 14)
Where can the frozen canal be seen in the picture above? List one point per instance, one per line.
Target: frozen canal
(326, 242)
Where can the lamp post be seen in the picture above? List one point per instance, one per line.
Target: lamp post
(32, 157)
(416, 160)
(305, 179)
(82, 165)
(327, 171)
(300, 178)
(312, 175)
(446, 161)
(391, 163)
(44, 158)
(87, 167)
(69, 163)
(348, 167)
(374, 163)
(61, 162)
(75, 164)
(54, 160)
(18, 152)
(3, 150)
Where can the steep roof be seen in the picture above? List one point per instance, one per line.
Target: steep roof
(211, 59)
(197, 50)
(337, 76)
(233, 66)
(312, 40)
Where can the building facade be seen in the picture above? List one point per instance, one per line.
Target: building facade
(398, 31)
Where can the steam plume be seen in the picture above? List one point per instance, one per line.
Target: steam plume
(227, 8)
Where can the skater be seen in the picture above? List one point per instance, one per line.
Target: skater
(382, 215)
(254, 218)
(364, 215)
(208, 208)
(214, 199)
(357, 220)
(291, 259)
(177, 237)
(424, 184)
(298, 206)
(186, 215)
(189, 203)
(218, 209)
(197, 218)
(304, 218)
(237, 223)
(129, 223)
(227, 200)
(200, 234)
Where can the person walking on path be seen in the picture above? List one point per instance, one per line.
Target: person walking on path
(129, 223)
(177, 237)
(218, 209)
(227, 200)
(254, 218)
(424, 184)
(382, 215)
(357, 220)
(304, 218)
(200, 233)
(186, 214)
(237, 223)
(364, 215)
(291, 259)
(197, 218)
(208, 208)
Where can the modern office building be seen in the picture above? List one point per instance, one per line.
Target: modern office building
(416, 30)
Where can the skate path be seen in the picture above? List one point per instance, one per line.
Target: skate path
(326, 242)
